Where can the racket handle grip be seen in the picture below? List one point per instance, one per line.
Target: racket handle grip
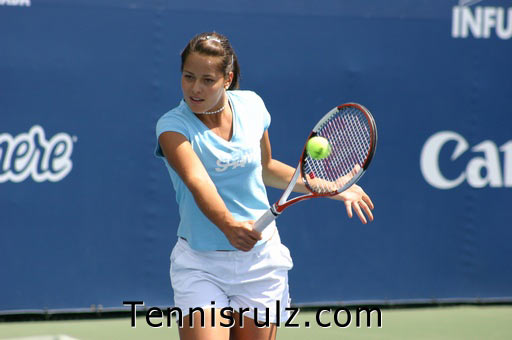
(265, 220)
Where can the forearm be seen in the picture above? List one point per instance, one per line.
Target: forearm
(276, 174)
(210, 202)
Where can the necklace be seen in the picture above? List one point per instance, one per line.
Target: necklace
(212, 112)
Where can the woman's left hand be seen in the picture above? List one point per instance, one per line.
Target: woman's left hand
(355, 197)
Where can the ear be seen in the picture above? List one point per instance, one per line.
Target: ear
(229, 79)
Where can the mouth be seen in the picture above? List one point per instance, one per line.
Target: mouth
(196, 100)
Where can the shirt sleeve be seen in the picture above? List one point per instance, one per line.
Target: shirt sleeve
(264, 112)
(169, 122)
(266, 117)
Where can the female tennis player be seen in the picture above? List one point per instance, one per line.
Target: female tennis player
(216, 148)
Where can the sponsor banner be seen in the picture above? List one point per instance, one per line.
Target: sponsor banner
(475, 19)
(89, 214)
(21, 3)
(484, 169)
(32, 155)
(482, 22)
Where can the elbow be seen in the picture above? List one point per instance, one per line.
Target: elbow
(266, 164)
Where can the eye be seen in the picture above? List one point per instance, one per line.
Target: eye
(209, 81)
(187, 76)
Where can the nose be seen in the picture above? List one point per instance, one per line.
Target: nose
(196, 87)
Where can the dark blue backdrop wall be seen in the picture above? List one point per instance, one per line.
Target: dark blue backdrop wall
(88, 216)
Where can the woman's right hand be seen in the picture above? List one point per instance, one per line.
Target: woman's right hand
(241, 235)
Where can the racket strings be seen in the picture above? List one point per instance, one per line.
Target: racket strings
(349, 136)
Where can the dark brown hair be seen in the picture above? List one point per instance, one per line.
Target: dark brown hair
(215, 45)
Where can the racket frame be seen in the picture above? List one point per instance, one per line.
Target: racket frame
(277, 208)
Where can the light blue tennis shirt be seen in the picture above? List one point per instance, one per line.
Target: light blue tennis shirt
(234, 167)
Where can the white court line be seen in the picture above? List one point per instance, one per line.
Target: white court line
(43, 337)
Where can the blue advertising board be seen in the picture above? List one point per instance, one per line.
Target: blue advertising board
(88, 215)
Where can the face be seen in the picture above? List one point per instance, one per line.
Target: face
(203, 85)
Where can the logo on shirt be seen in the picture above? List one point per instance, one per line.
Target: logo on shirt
(238, 160)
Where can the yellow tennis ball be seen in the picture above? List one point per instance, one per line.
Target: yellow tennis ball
(318, 147)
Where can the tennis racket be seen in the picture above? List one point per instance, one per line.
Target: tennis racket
(352, 134)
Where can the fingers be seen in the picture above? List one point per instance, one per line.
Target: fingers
(362, 208)
(244, 244)
(367, 209)
(254, 234)
(245, 237)
(365, 202)
(359, 213)
(356, 169)
(367, 199)
(348, 206)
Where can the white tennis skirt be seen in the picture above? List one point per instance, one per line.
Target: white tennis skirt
(256, 280)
